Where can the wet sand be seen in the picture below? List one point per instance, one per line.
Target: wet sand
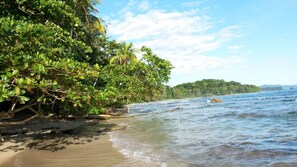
(61, 152)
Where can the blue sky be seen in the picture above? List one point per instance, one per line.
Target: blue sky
(249, 41)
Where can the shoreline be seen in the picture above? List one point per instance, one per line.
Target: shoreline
(83, 143)
(72, 152)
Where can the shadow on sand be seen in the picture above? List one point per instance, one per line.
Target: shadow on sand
(53, 135)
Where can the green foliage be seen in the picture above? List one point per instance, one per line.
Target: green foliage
(125, 54)
(40, 62)
(207, 87)
(44, 57)
(55, 57)
(271, 88)
(138, 81)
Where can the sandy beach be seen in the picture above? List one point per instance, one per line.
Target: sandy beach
(54, 143)
(7, 152)
(61, 151)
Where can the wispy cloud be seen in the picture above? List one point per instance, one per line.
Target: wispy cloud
(192, 3)
(236, 47)
(199, 63)
(230, 32)
(183, 37)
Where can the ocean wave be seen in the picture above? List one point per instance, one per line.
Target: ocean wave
(253, 154)
(241, 115)
(267, 98)
(288, 100)
(283, 164)
(292, 113)
(257, 115)
(251, 115)
(244, 130)
(136, 151)
(245, 151)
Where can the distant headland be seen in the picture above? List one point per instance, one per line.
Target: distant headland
(208, 87)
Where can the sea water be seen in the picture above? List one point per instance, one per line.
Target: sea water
(256, 129)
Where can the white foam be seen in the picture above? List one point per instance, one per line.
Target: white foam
(135, 151)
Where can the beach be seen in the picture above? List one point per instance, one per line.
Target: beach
(257, 129)
(78, 143)
(71, 151)
(57, 143)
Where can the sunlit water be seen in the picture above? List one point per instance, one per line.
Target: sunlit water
(258, 129)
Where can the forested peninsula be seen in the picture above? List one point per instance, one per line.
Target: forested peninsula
(207, 87)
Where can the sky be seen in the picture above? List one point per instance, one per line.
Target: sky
(248, 41)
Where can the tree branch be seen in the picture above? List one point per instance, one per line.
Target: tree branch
(19, 122)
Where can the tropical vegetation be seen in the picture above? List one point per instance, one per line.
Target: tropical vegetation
(55, 57)
(207, 87)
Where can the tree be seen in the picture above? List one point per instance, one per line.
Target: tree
(208, 87)
(138, 81)
(44, 58)
(124, 55)
(55, 57)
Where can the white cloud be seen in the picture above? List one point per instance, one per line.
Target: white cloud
(185, 64)
(192, 4)
(183, 37)
(229, 32)
(158, 24)
(236, 47)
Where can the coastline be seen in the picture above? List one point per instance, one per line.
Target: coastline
(72, 152)
(77, 143)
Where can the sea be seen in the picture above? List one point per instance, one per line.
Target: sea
(245, 130)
